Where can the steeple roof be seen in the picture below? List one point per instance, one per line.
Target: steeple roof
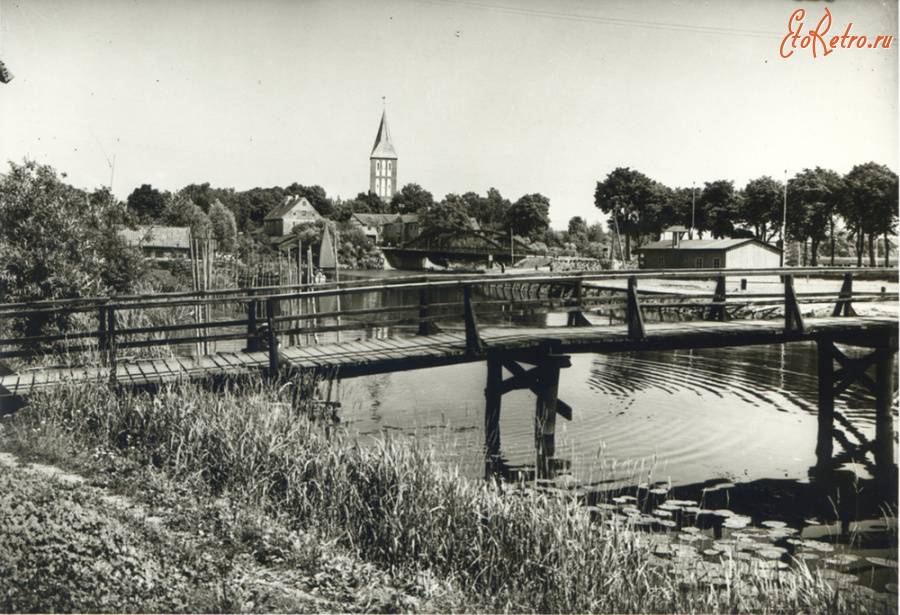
(383, 146)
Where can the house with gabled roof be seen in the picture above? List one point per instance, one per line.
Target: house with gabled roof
(159, 241)
(295, 210)
(372, 225)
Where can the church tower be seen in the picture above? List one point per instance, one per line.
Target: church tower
(383, 163)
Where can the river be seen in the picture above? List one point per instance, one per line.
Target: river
(678, 417)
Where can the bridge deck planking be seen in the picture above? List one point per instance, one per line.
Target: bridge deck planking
(357, 357)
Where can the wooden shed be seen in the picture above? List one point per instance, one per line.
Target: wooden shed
(678, 253)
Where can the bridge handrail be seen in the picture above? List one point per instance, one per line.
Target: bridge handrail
(576, 282)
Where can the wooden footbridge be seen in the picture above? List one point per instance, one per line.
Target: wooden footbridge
(399, 324)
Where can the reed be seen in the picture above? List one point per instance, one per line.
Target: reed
(509, 547)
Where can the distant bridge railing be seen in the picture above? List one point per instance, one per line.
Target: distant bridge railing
(106, 328)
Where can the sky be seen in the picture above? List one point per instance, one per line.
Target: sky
(525, 96)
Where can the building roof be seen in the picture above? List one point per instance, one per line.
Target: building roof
(705, 244)
(375, 219)
(384, 148)
(171, 237)
(675, 229)
(290, 203)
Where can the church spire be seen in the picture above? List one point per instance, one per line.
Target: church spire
(384, 148)
(383, 163)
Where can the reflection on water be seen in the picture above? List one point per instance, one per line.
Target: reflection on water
(683, 417)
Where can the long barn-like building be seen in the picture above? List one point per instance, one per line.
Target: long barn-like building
(678, 253)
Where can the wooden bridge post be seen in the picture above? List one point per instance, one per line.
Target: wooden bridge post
(844, 303)
(547, 391)
(425, 326)
(824, 440)
(473, 340)
(633, 314)
(111, 342)
(252, 328)
(576, 317)
(793, 320)
(718, 312)
(884, 423)
(103, 337)
(272, 336)
(492, 401)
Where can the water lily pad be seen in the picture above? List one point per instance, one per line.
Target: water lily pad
(770, 553)
(659, 512)
(665, 523)
(774, 524)
(737, 522)
(881, 561)
(622, 499)
(669, 506)
(712, 551)
(682, 503)
(818, 545)
(723, 512)
(689, 537)
(659, 491)
(890, 587)
(842, 559)
(806, 555)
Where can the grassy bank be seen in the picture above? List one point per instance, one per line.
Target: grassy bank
(261, 447)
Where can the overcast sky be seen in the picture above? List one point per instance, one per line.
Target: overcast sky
(525, 96)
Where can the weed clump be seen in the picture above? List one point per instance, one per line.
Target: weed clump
(506, 547)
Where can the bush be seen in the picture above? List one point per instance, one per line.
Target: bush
(61, 552)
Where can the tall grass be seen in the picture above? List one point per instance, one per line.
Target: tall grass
(511, 547)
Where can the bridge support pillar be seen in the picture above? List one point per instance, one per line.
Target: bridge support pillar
(545, 413)
(543, 381)
(833, 382)
(884, 422)
(492, 398)
(824, 440)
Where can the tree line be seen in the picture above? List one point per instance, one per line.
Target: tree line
(820, 204)
(200, 207)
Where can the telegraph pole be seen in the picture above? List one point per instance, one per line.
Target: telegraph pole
(693, 208)
(784, 224)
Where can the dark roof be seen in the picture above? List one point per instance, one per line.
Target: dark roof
(172, 237)
(705, 244)
(375, 219)
(384, 148)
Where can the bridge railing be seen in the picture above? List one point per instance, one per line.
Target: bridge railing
(260, 318)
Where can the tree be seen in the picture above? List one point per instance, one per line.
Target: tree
(633, 202)
(147, 203)
(223, 227)
(719, 204)
(493, 211)
(529, 216)
(57, 242)
(411, 199)
(813, 198)
(577, 226)
(761, 207)
(870, 207)
(444, 220)
(181, 211)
